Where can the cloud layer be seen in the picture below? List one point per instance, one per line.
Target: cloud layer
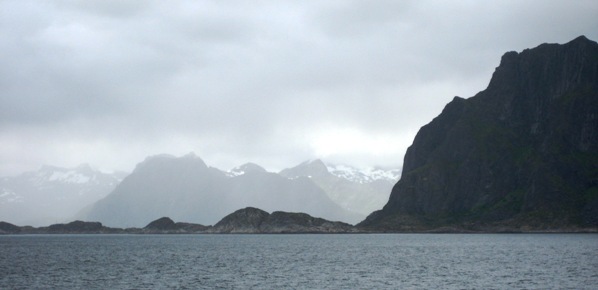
(272, 82)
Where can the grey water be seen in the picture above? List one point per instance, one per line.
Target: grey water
(384, 261)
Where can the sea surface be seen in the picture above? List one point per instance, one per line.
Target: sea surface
(342, 261)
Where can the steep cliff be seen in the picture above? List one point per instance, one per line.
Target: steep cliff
(522, 154)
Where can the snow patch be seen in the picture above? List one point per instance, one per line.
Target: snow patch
(69, 177)
(234, 172)
(366, 175)
(8, 196)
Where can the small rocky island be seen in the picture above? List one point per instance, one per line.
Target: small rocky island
(252, 220)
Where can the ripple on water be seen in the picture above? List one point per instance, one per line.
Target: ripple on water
(300, 261)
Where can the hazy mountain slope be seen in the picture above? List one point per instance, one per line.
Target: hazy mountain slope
(521, 154)
(181, 188)
(355, 190)
(273, 192)
(186, 189)
(52, 194)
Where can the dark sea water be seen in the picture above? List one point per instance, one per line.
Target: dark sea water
(386, 261)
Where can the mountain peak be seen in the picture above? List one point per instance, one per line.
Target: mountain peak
(315, 162)
(77, 175)
(246, 168)
(190, 155)
(582, 39)
(52, 193)
(316, 166)
(158, 161)
(547, 70)
(308, 168)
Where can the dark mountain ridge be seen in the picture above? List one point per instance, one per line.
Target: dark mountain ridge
(521, 154)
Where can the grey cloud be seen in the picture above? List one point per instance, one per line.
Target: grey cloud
(105, 8)
(248, 81)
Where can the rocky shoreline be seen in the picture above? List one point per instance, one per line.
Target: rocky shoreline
(256, 221)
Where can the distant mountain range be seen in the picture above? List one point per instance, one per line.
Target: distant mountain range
(361, 191)
(52, 194)
(185, 188)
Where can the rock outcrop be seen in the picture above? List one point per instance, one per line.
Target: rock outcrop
(252, 221)
(166, 225)
(8, 228)
(75, 227)
(520, 155)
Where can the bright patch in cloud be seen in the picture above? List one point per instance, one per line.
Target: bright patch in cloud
(348, 141)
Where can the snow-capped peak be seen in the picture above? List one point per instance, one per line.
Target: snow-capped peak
(82, 175)
(319, 168)
(70, 176)
(247, 167)
(52, 193)
(79, 175)
(365, 175)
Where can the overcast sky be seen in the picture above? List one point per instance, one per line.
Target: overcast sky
(271, 82)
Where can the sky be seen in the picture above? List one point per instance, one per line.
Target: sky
(110, 82)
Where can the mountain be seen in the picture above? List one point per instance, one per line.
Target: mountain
(162, 185)
(522, 154)
(187, 189)
(52, 193)
(361, 191)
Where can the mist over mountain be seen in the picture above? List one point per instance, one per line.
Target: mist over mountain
(361, 191)
(52, 194)
(522, 154)
(186, 189)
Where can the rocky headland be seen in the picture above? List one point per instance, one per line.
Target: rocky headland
(521, 155)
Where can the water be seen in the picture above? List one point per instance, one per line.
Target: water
(406, 261)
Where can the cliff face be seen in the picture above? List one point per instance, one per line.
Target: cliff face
(521, 154)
